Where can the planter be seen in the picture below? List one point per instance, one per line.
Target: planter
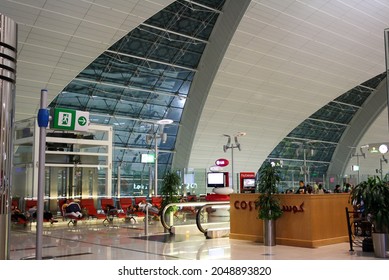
(269, 232)
(380, 243)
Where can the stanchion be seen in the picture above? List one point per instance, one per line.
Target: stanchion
(147, 221)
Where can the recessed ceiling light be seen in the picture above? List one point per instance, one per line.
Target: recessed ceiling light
(165, 121)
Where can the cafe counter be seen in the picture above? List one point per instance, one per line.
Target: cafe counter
(308, 220)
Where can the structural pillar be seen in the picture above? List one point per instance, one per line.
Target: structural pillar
(8, 50)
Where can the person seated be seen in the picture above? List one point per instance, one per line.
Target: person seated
(111, 210)
(17, 216)
(131, 209)
(72, 209)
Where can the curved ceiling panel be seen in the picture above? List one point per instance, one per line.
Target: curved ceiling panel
(144, 77)
(308, 150)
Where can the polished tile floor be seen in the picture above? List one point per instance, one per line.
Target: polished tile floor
(124, 241)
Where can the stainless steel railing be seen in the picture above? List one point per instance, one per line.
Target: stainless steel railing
(199, 212)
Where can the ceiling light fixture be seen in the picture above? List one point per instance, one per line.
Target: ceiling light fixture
(383, 148)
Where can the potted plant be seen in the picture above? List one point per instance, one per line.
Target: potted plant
(374, 193)
(169, 192)
(268, 205)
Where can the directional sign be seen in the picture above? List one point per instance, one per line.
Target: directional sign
(68, 119)
(82, 121)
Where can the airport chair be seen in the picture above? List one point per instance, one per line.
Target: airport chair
(156, 201)
(127, 206)
(30, 203)
(108, 206)
(139, 199)
(88, 204)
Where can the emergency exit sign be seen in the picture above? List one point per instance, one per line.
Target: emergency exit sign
(68, 119)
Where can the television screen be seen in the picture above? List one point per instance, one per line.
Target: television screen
(248, 183)
(215, 180)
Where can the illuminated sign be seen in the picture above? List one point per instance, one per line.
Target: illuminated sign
(147, 158)
(355, 168)
(222, 162)
(68, 119)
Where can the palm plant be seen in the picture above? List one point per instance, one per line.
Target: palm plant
(375, 196)
(169, 190)
(268, 205)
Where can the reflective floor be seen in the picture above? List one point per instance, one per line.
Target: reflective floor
(126, 241)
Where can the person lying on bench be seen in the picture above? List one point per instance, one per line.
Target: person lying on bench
(152, 209)
(47, 215)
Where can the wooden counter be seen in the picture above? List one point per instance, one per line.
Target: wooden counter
(308, 220)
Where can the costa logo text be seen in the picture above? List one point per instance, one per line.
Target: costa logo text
(294, 209)
(250, 205)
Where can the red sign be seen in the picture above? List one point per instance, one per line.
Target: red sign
(222, 162)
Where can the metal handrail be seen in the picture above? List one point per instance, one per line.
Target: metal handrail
(198, 214)
(186, 204)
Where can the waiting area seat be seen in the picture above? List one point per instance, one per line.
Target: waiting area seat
(359, 230)
(138, 201)
(110, 210)
(31, 208)
(126, 205)
(88, 205)
(156, 201)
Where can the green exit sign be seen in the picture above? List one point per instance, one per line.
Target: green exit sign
(68, 119)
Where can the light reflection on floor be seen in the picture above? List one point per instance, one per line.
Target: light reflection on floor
(121, 241)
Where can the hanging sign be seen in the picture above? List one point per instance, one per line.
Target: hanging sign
(68, 119)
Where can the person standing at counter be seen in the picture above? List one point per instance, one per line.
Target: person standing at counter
(320, 189)
(302, 188)
(337, 189)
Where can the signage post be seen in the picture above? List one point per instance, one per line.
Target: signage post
(43, 122)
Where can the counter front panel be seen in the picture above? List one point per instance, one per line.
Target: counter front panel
(307, 221)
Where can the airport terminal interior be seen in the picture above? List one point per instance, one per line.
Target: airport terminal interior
(139, 89)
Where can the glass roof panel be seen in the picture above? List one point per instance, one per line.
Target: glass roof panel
(335, 112)
(188, 18)
(317, 130)
(355, 96)
(313, 142)
(144, 77)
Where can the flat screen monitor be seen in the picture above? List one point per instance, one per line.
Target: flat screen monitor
(248, 183)
(215, 180)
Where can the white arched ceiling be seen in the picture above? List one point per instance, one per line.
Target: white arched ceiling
(58, 39)
(285, 61)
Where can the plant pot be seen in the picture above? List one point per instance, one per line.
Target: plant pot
(269, 232)
(380, 243)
